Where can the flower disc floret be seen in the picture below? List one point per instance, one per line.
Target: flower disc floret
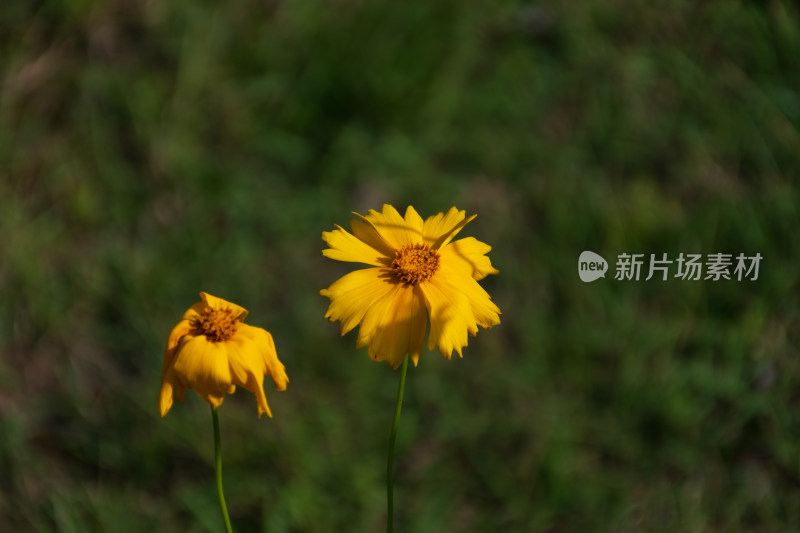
(218, 325)
(414, 263)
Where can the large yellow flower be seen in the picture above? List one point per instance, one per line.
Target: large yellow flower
(418, 273)
(212, 350)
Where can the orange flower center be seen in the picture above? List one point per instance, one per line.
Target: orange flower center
(414, 263)
(218, 325)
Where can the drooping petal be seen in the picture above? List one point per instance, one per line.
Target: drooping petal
(439, 229)
(251, 354)
(218, 303)
(392, 227)
(347, 247)
(165, 397)
(170, 385)
(353, 294)
(275, 368)
(263, 340)
(184, 327)
(203, 366)
(468, 255)
(401, 329)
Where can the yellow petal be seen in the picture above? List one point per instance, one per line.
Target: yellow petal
(218, 303)
(194, 312)
(486, 313)
(184, 327)
(401, 330)
(468, 255)
(353, 294)
(391, 226)
(247, 366)
(169, 385)
(451, 315)
(165, 396)
(439, 229)
(203, 366)
(373, 316)
(275, 368)
(364, 231)
(347, 247)
(413, 220)
(252, 356)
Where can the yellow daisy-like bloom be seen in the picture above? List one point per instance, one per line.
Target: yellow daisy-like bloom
(212, 350)
(418, 273)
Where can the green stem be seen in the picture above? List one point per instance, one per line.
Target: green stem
(218, 471)
(390, 460)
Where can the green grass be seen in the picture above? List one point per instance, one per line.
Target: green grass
(149, 151)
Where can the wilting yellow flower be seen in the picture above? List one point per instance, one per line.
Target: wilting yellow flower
(212, 350)
(417, 273)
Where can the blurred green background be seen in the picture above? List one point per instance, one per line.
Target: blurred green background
(150, 150)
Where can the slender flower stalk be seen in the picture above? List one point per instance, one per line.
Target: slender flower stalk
(218, 471)
(416, 274)
(392, 437)
(212, 351)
